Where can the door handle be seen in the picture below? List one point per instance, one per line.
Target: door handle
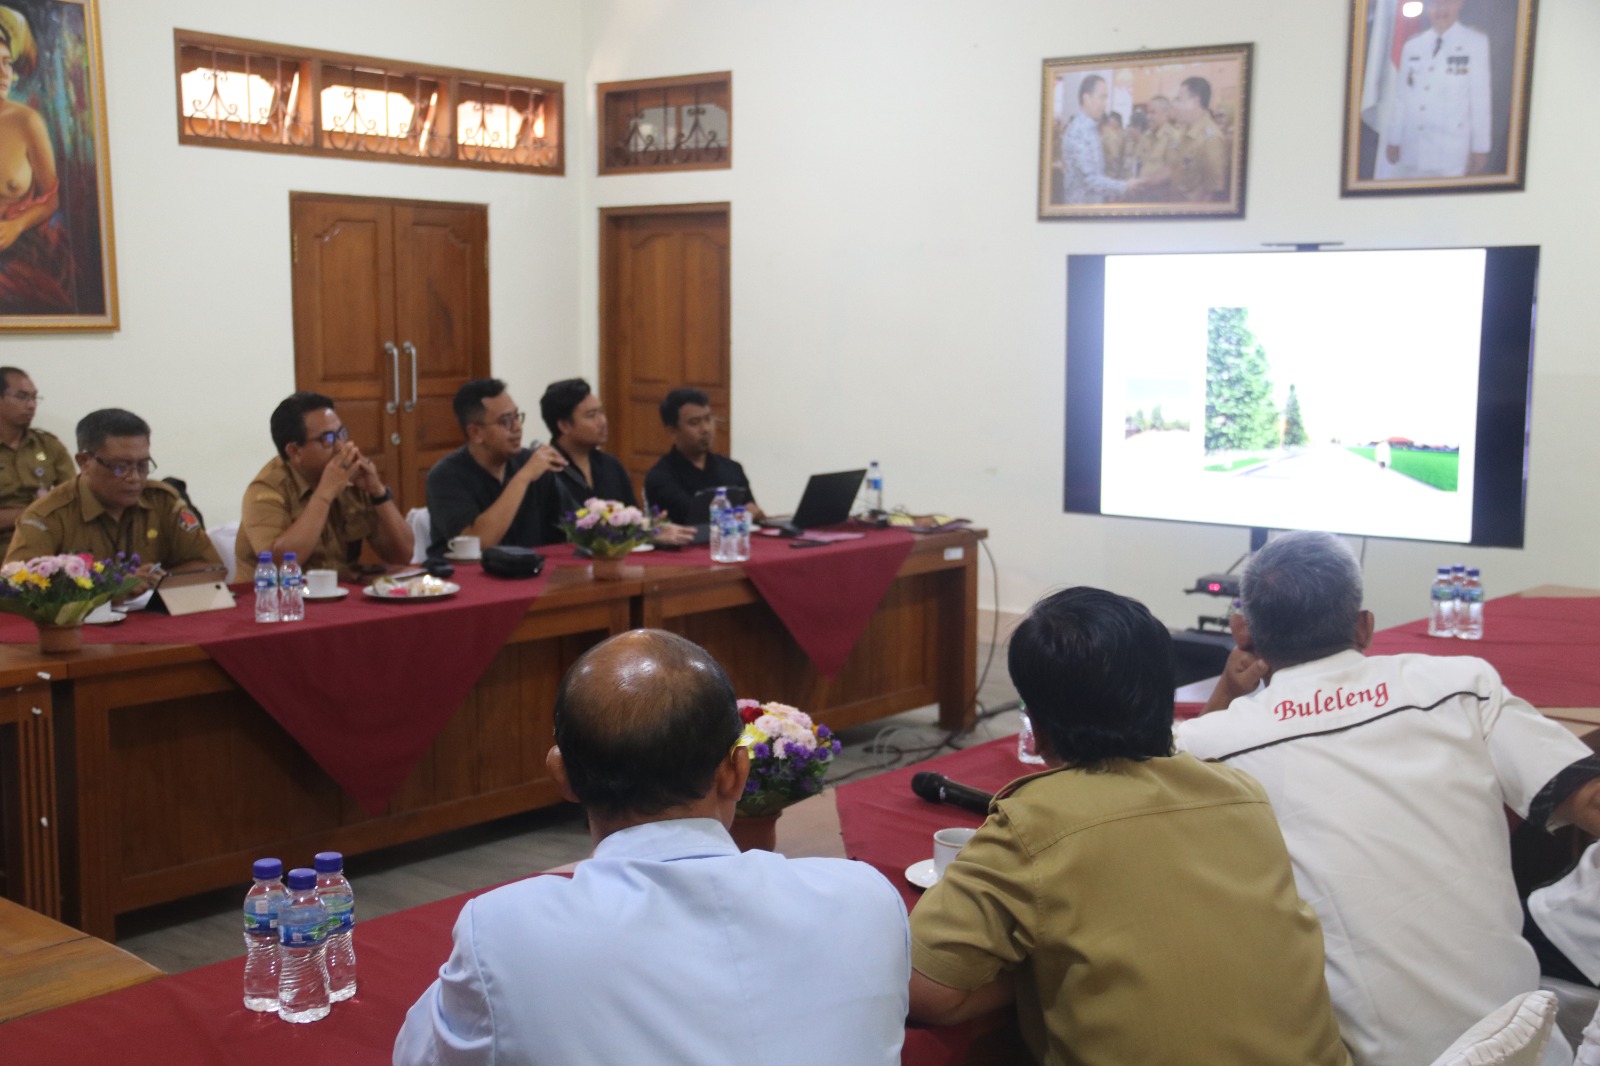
(411, 350)
(394, 371)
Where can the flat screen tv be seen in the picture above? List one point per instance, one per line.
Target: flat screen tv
(1374, 393)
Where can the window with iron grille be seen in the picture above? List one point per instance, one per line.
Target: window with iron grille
(681, 123)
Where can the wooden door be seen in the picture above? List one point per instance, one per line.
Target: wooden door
(664, 315)
(391, 316)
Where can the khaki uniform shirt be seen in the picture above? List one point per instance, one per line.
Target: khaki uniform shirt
(277, 497)
(1200, 167)
(1111, 142)
(1153, 152)
(1149, 914)
(160, 528)
(36, 465)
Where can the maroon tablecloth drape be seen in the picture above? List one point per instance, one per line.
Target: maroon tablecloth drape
(1542, 646)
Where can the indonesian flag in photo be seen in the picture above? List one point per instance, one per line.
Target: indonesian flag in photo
(1393, 23)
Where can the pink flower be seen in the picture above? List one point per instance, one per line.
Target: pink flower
(587, 521)
(75, 566)
(45, 565)
(620, 518)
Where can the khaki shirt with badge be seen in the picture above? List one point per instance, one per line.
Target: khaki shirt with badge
(38, 463)
(278, 497)
(1200, 164)
(160, 528)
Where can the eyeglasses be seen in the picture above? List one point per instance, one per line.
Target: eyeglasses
(123, 468)
(509, 422)
(332, 437)
(26, 397)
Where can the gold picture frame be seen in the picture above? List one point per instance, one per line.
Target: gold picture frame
(57, 255)
(1436, 96)
(1147, 134)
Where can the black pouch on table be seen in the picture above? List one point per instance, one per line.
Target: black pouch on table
(504, 561)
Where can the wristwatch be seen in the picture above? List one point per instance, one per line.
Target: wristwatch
(379, 501)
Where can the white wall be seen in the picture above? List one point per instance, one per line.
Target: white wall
(895, 297)
(206, 347)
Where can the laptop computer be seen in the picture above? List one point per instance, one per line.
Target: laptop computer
(826, 502)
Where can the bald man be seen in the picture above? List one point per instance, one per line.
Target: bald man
(646, 952)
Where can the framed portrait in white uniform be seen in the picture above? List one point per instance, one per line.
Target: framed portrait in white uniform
(1436, 97)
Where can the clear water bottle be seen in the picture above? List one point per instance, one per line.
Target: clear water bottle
(291, 590)
(875, 487)
(1458, 577)
(722, 547)
(266, 588)
(302, 940)
(741, 534)
(262, 905)
(1469, 607)
(1442, 611)
(340, 900)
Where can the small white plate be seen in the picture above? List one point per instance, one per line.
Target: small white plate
(336, 594)
(103, 615)
(922, 874)
(454, 558)
(644, 548)
(450, 588)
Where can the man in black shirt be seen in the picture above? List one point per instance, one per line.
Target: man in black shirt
(684, 480)
(488, 487)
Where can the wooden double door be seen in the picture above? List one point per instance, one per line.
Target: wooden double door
(391, 317)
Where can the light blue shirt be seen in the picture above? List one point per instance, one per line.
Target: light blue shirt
(670, 946)
(1084, 157)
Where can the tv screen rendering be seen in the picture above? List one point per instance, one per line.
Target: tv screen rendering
(1373, 393)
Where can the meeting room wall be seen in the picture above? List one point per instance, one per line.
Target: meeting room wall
(894, 296)
(202, 234)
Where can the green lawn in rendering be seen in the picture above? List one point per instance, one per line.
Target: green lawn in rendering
(1439, 469)
(1236, 464)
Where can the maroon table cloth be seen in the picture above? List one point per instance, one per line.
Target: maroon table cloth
(1543, 647)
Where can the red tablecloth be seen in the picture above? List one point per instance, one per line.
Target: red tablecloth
(1544, 647)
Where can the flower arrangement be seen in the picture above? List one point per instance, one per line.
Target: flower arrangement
(789, 756)
(61, 590)
(606, 529)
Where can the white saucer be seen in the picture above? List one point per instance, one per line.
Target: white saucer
(336, 594)
(644, 548)
(103, 615)
(921, 874)
(454, 558)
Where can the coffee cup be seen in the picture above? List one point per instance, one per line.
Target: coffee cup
(947, 844)
(322, 582)
(465, 547)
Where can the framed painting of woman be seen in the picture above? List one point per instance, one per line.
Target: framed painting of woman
(57, 258)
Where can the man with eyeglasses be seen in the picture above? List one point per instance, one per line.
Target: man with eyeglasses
(320, 498)
(112, 505)
(32, 461)
(487, 488)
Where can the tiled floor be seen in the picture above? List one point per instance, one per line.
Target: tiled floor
(205, 929)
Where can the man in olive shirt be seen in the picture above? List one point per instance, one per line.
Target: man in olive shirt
(112, 505)
(1138, 906)
(320, 498)
(32, 461)
(682, 481)
(1200, 158)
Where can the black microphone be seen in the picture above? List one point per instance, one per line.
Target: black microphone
(937, 788)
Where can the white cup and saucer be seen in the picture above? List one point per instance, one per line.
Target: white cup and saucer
(947, 844)
(324, 585)
(464, 549)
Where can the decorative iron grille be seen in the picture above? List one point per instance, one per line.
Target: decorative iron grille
(667, 124)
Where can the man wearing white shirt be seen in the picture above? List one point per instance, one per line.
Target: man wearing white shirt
(1389, 776)
(1439, 119)
(668, 945)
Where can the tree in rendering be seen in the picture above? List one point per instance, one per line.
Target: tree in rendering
(1240, 415)
(1294, 428)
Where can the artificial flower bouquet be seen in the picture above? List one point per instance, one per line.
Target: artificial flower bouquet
(61, 590)
(789, 756)
(607, 529)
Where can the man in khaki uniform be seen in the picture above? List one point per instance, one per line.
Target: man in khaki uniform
(1137, 906)
(32, 461)
(112, 506)
(1156, 153)
(320, 498)
(1200, 166)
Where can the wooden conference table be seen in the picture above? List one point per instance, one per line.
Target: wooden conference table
(133, 774)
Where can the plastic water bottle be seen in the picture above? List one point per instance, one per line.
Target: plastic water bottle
(266, 588)
(302, 939)
(875, 487)
(741, 534)
(261, 907)
(340, 900)
(1469, 607)
(722, 531)
(291, 590)
(1442, 612)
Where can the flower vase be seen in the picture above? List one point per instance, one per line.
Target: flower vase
(607, 567)
(58, 640)
(755, 832)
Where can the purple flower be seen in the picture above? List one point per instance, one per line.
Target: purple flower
(761, 750)
(823, 732)
(751, 787)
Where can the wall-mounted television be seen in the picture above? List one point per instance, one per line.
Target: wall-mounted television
(1373, 393)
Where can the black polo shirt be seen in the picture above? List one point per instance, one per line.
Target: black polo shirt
(568, 490)
(459, 490)
(684, 490)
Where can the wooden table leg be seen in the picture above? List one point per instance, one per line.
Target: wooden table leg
(958, 638)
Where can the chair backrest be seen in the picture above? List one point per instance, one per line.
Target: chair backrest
(223, 539)
(1589, 1049)
(1512, 1035)
(421, 532)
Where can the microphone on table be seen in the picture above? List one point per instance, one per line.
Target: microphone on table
(937, 788)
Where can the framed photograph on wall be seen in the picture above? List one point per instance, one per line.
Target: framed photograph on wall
(1145, 134)
(1436, 96)
(57, 258)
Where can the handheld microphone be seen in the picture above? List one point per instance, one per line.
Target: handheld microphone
(937, 788)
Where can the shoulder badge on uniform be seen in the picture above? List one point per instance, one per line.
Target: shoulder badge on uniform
(187, 520)
(35, 523)
(268, 497)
